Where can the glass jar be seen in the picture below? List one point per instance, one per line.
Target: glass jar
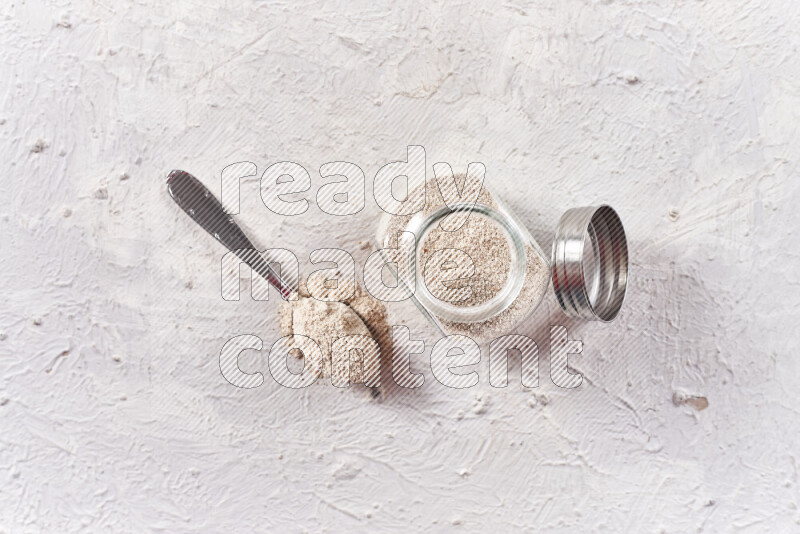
(506, 272)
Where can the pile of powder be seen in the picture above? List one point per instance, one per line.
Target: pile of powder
(357, 313)
(486, 244)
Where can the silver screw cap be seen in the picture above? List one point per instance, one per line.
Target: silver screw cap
(590, 263)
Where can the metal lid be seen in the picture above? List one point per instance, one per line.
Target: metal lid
(590, 263)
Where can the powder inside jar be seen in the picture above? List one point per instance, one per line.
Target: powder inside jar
(486, 243)
(480, 247)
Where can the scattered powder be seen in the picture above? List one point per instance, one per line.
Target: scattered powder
(64, 22)
(357, 313)
(39, 146)
(481, 403)
(486, 244)
(697, 402)
(538, 399)
(631, 78)
(346, 471)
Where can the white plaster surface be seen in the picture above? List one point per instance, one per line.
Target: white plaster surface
(682, 115)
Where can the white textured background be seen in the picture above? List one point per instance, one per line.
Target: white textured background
(682, 115)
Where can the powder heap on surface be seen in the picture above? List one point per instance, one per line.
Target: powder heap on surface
(358, 314)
